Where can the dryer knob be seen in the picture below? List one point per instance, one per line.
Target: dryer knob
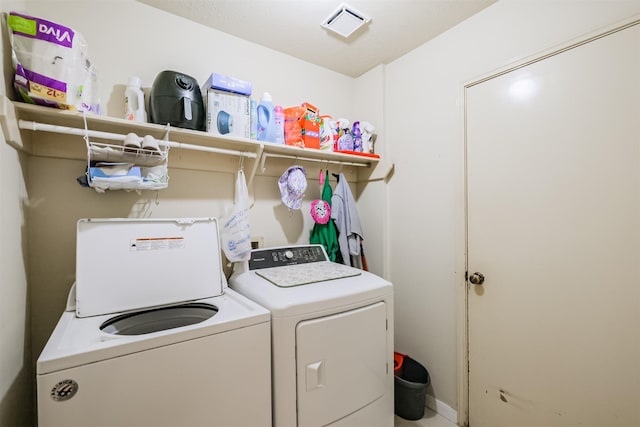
(288, 254)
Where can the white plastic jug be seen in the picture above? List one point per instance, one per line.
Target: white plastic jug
(134, 101)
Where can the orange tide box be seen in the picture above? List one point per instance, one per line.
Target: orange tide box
(293, 117)
(311, 126)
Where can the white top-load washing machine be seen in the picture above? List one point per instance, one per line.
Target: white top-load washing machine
(152, 336)
(332, 337)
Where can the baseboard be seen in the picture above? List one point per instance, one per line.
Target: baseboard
(442, 409)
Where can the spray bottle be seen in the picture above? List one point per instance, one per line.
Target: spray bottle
(367, 137)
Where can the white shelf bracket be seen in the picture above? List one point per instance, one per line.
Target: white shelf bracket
(8, 121)
(259, 155)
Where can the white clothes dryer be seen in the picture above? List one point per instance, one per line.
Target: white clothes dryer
(152, 336)
(332, 337)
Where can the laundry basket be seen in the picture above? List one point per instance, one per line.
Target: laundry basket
(410, 383)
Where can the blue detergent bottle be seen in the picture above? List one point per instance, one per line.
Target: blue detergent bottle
(266, 119)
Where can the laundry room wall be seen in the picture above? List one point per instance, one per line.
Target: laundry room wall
(15, 344)
(16, 374)
(127, 38)
(372, 198)
(424, 116)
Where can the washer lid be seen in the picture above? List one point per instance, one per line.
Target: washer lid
(129, 264)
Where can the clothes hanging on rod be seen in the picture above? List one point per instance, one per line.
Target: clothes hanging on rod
(345, 214)
(326, 234)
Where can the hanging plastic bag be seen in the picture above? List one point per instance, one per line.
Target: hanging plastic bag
(235, 234)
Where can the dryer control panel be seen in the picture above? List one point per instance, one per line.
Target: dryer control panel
(288, 255)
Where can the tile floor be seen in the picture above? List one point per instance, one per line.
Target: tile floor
(430, 419)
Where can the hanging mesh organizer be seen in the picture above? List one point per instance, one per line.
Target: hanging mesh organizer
(131, 166)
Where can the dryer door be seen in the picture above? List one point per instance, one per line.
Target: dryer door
(341, 364)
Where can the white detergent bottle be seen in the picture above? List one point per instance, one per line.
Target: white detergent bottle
(134, 101)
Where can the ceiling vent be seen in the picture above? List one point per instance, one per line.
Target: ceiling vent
(345, 20)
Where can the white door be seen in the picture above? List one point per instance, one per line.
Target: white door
(553, 187)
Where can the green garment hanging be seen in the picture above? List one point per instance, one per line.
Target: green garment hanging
(326, 234)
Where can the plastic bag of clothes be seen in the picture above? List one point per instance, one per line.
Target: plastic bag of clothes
(51, 64)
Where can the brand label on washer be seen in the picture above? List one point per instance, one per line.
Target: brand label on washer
(157, 243)
(64, 390)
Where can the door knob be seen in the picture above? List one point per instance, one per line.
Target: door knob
(476, 278)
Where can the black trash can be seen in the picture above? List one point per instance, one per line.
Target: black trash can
(410, 386)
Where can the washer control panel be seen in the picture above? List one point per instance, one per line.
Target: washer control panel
(283, 256)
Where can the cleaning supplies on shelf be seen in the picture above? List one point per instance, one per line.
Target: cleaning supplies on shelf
(367, 137)
(311, 126)
(345, 141)
(266, 119)
(293, 126)
(326, 133)
(278, 117)
(341, 126)
(357, 137)
(134, 101)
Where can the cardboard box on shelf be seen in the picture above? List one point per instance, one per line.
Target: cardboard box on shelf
(228, 84)
(228, 105)
(228, 113)
(311, 126)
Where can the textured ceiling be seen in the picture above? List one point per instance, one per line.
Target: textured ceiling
(293, 26)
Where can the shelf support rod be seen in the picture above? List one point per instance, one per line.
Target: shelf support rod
(310, 159)
(35, 126)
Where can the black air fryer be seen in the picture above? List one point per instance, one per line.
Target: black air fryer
(175, 98)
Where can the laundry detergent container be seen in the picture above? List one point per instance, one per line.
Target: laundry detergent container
(411, 380)
(175, 99)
